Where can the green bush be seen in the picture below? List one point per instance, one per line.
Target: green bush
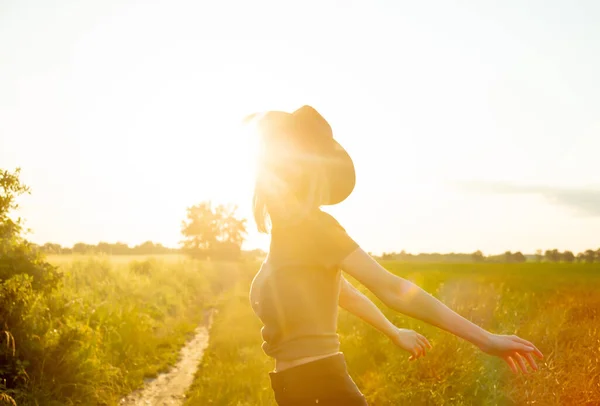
(24, 280)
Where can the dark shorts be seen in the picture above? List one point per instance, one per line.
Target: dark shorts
(324, 382)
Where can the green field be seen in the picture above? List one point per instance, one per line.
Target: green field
(557, 306)
(115, 321)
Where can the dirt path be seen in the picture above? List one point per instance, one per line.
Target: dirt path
(169, 388)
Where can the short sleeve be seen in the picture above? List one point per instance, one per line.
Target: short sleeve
(334, 243)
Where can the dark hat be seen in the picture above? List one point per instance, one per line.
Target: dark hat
(307, 140)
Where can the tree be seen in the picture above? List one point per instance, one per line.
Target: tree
(213, 232)
(104, 248)
(10, 188)
(146, 248)
(50, 248)
(83, 248)
(518, 257)
(552, 255)
(477, 256)
(589, 256)
(17, 255)
(568, 256)
(386, 256)
(120, 248)
(514, 257)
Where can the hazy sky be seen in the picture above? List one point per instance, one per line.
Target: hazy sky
(473, 125)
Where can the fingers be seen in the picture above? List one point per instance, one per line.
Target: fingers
(531, 361)
(520, 362)
(536, 351)
(416, 353)
(516, 361)
(511, 364)
(423, 347)
(424, 341)
(421, 344)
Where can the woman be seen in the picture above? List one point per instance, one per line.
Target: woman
(300, 284)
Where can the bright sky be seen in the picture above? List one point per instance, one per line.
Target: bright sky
(473, 125)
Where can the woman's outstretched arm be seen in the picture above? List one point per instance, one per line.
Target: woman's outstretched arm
(352, 300)
(405, 297)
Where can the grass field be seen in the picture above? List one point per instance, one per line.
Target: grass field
(116, 320)
(557, 306)
(112, 322)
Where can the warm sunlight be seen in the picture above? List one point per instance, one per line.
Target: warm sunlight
(148, 117)
(434, 191)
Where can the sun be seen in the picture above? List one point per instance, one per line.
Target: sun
(229, 163)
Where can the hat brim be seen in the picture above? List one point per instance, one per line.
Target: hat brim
(341, 175)
(336, 164)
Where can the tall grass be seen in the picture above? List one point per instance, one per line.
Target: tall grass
(110, 325)
(557, 306)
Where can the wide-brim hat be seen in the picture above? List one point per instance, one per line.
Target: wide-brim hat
(305, 138)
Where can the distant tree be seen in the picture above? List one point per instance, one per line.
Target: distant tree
(83, 248)
(589, 256)
(387, 256)
(477, 256)
(518, 257)
(231, 230)
(200, 230)
(50, 248)
(403, 256)
(104, 248)
(146, 248)
(514, 257)
(568, 256)
(120, 248)
(552, 255)
(580, 257)
(213, 232)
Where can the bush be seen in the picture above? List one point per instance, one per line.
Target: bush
(93, 331)
(24, 280)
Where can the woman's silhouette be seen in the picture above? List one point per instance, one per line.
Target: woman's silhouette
(300, 284)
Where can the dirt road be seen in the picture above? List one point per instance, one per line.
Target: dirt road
(169, 388)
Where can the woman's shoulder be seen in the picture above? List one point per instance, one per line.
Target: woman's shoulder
(316, 222)
(325, 219)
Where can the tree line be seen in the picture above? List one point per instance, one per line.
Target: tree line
(118, 248)
(209, 231)
(202, 239)
(553, 255)
(589, 256)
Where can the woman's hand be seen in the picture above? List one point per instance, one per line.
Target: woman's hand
(410, 341)
(513, 350)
